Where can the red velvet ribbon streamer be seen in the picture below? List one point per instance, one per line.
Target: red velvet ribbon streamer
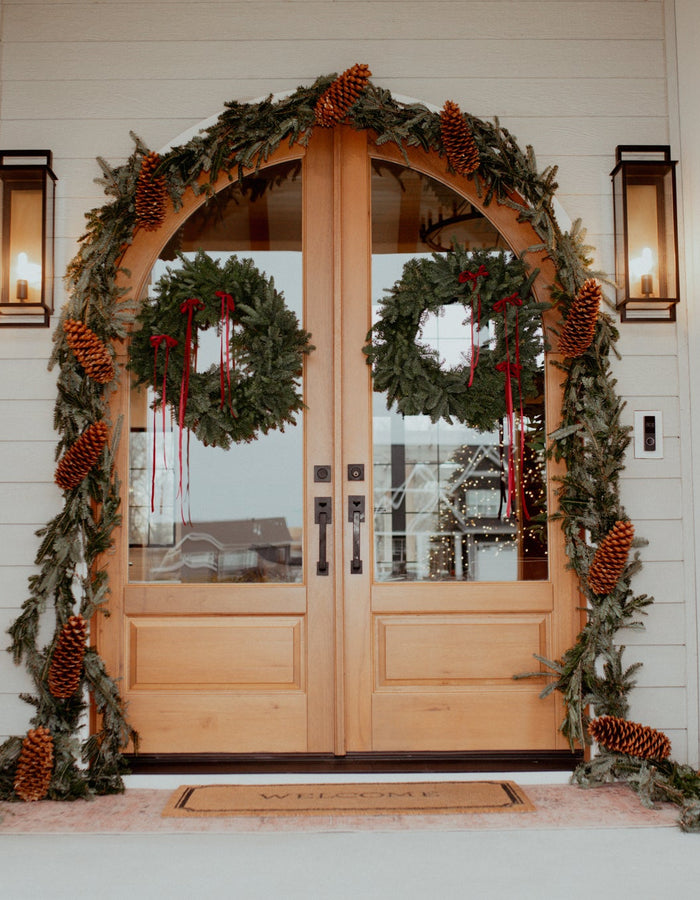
(509, 369)
(463, 278)
(170, 342)
(227, 307)
(188, 308)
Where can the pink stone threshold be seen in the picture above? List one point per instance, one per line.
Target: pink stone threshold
(139, 811)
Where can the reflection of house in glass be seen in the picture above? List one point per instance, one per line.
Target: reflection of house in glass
(440, 506)
(245, 550)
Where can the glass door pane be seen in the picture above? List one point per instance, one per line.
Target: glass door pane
(241, 517)
(440, 489)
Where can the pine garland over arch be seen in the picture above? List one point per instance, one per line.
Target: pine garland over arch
(70, 579)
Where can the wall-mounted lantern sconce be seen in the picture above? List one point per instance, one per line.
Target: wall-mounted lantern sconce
(26, 232)
(646, 235)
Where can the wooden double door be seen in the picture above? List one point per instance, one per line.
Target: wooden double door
(329, 596)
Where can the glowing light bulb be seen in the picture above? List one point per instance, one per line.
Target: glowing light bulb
(27, 271)
(641, 268)
(642, 265)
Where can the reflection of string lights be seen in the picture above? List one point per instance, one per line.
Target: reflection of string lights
(462, 530)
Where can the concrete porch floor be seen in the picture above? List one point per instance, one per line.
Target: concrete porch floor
(578, 843)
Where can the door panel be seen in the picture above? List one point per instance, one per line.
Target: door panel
(227, 636)
(456, 649)
(468, 719)
(241, 652)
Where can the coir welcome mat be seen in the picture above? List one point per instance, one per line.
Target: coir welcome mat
(428, 798)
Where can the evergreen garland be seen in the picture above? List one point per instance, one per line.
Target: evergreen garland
(590, 439)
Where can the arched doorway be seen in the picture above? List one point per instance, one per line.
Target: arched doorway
(391, 648)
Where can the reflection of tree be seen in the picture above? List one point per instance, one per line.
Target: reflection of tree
(472, 510)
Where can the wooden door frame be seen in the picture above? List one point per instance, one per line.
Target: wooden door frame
(135, 267)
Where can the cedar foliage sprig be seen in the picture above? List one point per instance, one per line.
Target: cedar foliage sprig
(590, 438)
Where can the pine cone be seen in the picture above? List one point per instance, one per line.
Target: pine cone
(622, 736)
(610, 558)
(577, 334)
(458, 140)
(81, 457)
(333, 104)
(66, 667)
(35, 765)
(150, 194)
(90, 351)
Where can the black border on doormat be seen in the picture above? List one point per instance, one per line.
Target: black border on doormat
(474, 761)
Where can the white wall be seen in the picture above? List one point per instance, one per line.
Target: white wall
(572, 77)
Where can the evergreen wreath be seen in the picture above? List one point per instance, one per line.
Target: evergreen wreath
(590, 438)
(255, 387)
(495, 289)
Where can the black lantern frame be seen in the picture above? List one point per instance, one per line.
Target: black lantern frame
(646, 233)
(27, 210)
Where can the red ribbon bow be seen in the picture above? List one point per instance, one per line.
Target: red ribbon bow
(463, 278)
(512, 369)
(170, 342)
(227, 307)
(512, 300)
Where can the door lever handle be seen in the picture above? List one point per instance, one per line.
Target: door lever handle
(322, 517)
(356, 514)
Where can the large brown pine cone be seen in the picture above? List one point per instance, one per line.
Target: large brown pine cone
(151, 194)
(610, 558)
(579, 328)
(66, 667)
(35, 765)
(81, 457)
(631, 738)
(89, 350)
(458, 140)
(333, 104)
